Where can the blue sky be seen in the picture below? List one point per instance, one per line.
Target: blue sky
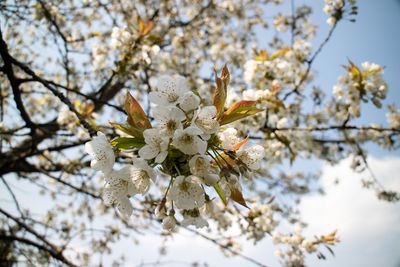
(374, 37)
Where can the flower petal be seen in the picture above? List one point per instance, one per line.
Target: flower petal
(149, 152)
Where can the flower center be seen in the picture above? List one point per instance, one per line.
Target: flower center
(187, 139)
(143, 174)
(172, 97)
(184, 186)
(171, 125)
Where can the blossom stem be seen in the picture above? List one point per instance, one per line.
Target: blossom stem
(177, 169)
(216, 160)
(169, 186)
(226, 162)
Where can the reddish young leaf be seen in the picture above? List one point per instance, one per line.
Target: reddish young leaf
(127, 129)
(221, 90)
(238, 145)
(237, 196)
(148, 28)
(224, 160)
(137, 118)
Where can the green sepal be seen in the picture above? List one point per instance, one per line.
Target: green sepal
(127, 129)
(239, 111)
(221, 195)
(127, 143)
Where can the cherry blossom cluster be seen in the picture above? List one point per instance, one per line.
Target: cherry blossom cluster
(393, 117)
(188, 143)
(261, 221)
(278, 69)
(296, 245)
(359, 85)
(335, 8)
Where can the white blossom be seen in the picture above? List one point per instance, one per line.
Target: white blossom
(197, 221)
(251, 155)
(189, 101)
(120, 38)
(189, 142)
(68, 118)
(102, 153)
(156, 145)
(281, 22)
(228, 138)
(252, 94)
(308, 246)
(200, 166)
(142, 175)
(170, 91)
(130, 180)
(118, 188)
(331, 21)
(169, 223)
(161, 211)
(250, 70)
(168, 119)
(187, 193)
(204, 118)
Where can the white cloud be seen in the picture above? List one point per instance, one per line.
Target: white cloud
(368, 228)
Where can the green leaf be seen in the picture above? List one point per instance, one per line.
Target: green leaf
(354, 70)
(347, 68)
(239, 111)
(130, 24)
(372, 72)
(221, 90)
(125, 143)
(278, 104)
(261, 56)
(221, 195)
(155, 38)
(280, 52)
(137, 118)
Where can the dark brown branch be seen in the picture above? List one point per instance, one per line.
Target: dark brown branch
(14, 159)
(51, 248)
(55, 254)
(8, 70)
(195, 18)
(12, 196)
(28, 228)
(78, 189)
(30, 72)
(333, 127)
